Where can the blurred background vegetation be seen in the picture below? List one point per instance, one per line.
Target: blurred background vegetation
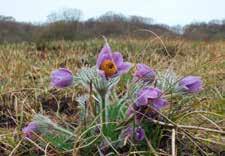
(66, 24)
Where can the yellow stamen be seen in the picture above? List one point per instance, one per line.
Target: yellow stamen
(109, 67)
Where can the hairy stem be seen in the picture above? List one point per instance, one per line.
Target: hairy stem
(103, 113)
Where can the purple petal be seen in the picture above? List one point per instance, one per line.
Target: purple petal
(150, 92)
(159, 103)
(124, 68)
(61, 78)
(195, 87)
(146, 95)
(144, 72)
(104, 54)
(117, 58)
(30, 129)
(189, 80)
(141, 100)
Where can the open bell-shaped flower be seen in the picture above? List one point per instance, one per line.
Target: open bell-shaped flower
(111, 64)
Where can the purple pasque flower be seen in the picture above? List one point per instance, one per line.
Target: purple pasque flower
(191, 84)
(111, 64)
(147, 94)
(148, 100)
(61, 78)
(144, 72)
(31, 128)
(139, 134)
(152, 96)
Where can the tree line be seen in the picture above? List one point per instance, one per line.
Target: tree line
(66, 24)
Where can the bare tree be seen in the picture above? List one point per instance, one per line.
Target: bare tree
(7, 18)
(142, 20)
(68, 14)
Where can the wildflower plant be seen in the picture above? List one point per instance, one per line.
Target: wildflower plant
(113, 120)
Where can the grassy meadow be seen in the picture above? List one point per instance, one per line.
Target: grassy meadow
(24, 91)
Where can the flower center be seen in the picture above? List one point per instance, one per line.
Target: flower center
(108, 67)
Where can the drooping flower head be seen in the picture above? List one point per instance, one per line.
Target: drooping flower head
(144, 72)
(31, 128)
(191, 84)
(111, 64)
(61, 78)
(150, 95)
(146, 94)
(148, 100)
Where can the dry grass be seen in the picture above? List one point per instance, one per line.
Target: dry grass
(24, 83)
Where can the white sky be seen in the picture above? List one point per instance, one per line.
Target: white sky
(170, 12)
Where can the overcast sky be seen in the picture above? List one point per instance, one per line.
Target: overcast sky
(170, 12)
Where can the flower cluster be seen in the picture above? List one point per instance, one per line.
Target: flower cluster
(149, 99)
